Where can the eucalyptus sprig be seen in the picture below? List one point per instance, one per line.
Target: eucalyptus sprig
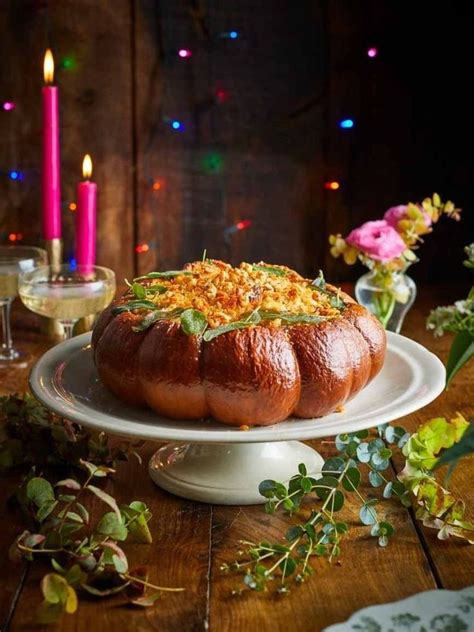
(30, 434)
(84, 556)
(317, 528)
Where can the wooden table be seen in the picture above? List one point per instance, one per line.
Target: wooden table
(192, 540)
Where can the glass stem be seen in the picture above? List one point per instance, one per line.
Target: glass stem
(68, 325)
(7, 343)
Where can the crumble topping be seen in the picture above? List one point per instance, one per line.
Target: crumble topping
(225, 294)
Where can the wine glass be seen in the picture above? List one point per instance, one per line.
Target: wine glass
(67, 292)
(13, 261)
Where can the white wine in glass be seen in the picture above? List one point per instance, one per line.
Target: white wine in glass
(67, 293)
(13, 261)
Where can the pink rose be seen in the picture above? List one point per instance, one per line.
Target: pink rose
(396, 213)
(378, 240)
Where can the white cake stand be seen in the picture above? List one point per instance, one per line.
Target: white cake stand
(217, 463)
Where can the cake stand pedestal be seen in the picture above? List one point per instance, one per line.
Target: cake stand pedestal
(229, 473)
(221, 464)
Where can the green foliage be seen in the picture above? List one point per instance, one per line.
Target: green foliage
(457, 319)
(462, 350)
(464, 447)
(31, 435)
(316, 505)
(436, 506)
(84, 555)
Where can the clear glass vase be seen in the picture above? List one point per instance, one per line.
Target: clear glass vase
(388, 297)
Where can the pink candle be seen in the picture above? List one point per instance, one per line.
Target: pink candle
(86, 216)
(51, 185)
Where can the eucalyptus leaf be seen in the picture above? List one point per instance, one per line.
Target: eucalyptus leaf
(337, 501)
(293, 533)
(70, 483)
(375, 479)
(368, 514)
(324, 485)
(39, 491)
(121, 564)
(112, 526)
(288, 566)
(333, 465)
(351, 479)
(46, 509)
(146, 601)
(106, 498)
(54, 588)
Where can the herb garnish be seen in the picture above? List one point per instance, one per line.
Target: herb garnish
(168, 274)
(270, 270)
(290, 318)
(131, 305)
(253, 319)
(156, 289)
(334, 299)
(193, 322)
(156, 315)
(139, 290)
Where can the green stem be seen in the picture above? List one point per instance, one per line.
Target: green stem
(148, 585)
(384, 303)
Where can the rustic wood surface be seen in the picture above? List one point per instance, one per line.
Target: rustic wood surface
(192, 540)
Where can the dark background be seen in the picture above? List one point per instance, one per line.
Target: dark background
(261, 149)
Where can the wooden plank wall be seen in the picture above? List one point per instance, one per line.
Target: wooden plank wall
(262, 155)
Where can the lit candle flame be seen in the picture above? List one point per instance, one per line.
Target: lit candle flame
(48, 67)
(87, 167)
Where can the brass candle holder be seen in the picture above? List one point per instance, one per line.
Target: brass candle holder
(51, 327)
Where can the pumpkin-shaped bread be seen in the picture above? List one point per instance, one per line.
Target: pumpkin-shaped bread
(251, 345)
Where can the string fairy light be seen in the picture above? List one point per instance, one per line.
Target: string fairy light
(141, 248)
(8, 106)
(347, 123)
(332, 185)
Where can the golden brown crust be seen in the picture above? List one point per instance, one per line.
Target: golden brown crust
(373, 333)
(116, 357)
(324, 367)
(251, 376)
(256, 376)
(169, 372)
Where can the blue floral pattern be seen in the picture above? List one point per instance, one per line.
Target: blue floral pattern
(431, 611)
